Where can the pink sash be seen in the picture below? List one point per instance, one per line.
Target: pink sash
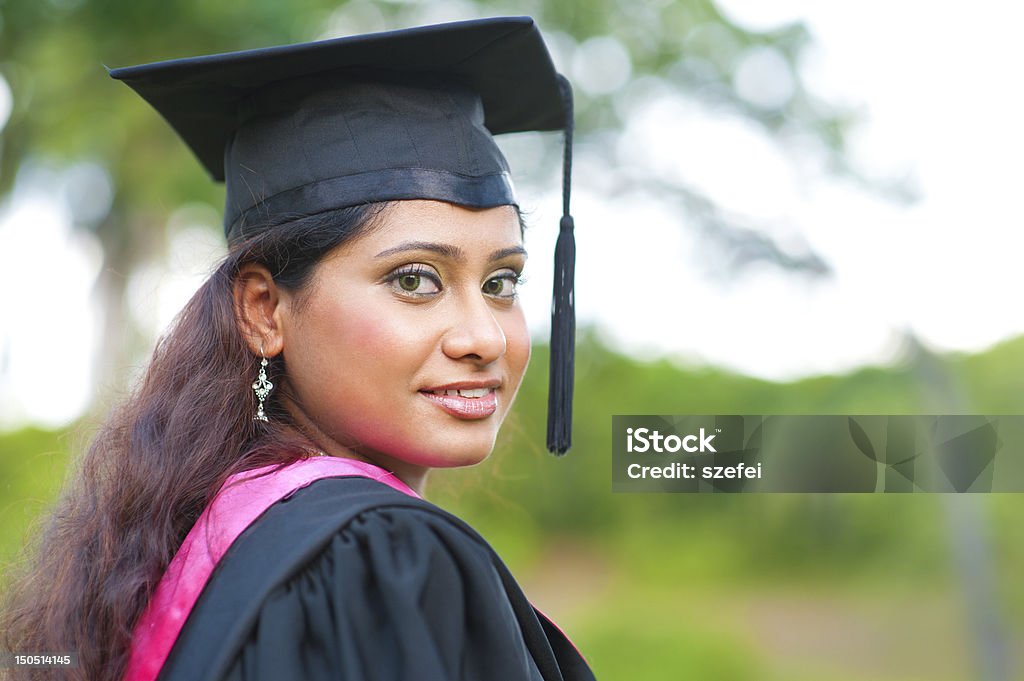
(232, 510)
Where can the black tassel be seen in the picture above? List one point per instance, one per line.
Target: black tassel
(563, 342)
(563, 313)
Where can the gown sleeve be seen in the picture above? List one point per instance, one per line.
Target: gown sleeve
(397, 594)
(349, 579)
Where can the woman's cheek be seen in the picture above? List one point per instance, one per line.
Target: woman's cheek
(373, 333)
(518, 350)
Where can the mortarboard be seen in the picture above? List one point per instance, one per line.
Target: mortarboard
(301, 129)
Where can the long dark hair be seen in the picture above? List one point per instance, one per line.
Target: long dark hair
(157, 461)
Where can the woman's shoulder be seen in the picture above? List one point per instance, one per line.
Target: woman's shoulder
(360, 527)
(360, 514)
(354, 570)
(347, 503)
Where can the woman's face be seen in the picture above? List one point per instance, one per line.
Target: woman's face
(410, 345)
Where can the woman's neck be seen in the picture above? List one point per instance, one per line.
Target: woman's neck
(412, 475)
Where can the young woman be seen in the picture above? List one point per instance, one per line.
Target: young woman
(254, 511)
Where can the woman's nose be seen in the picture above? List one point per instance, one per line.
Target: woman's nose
(476, 334)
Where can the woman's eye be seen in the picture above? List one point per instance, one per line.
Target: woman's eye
(415, 282)
(410, 282)
(502, 286)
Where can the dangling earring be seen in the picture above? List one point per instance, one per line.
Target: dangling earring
(262, 387)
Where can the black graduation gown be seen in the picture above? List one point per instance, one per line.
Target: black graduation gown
(350, 579)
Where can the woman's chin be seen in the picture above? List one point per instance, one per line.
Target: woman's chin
(462, 461)
(456, 455)
(438, 450)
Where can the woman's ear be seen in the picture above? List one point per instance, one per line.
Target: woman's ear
(259, 310)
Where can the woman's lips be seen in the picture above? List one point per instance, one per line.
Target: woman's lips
(465, 407)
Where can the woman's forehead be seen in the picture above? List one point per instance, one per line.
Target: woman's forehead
(406, 225)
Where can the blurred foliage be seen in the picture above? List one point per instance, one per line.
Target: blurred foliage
(33, 463)
(669, 586)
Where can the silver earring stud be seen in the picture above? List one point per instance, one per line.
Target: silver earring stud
(262, 387)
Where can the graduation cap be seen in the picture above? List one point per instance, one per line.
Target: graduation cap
(301, 129)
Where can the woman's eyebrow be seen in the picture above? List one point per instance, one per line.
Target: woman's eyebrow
(505, 252)
(447, 250)
(453, 252)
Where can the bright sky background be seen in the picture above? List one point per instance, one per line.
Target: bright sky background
(938, 89)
